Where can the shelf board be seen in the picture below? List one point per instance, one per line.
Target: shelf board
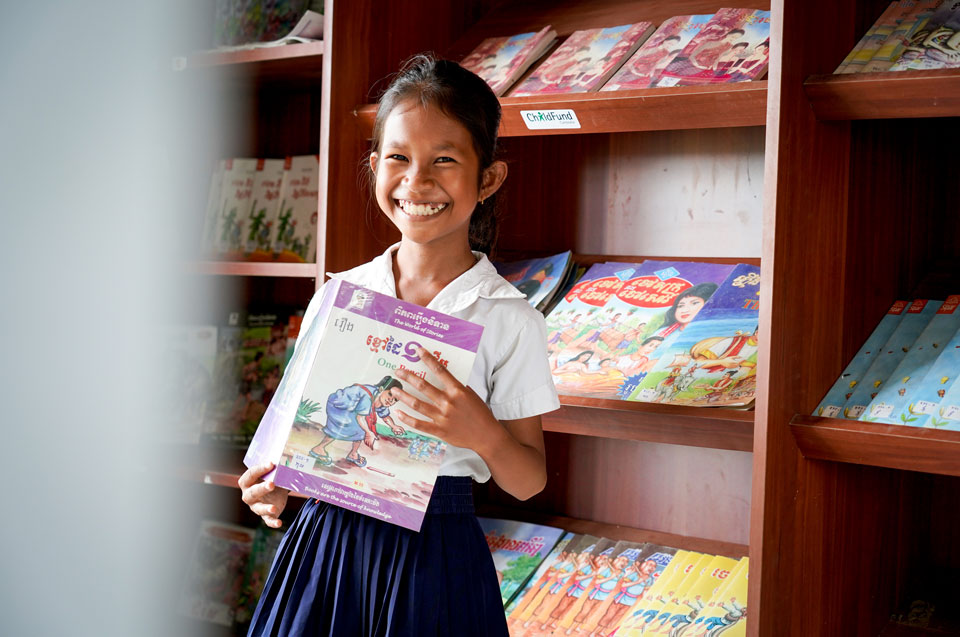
(678, 108)
(878, 445)
(712, 427)
(890, 95)
(255, 268)
(301, 61)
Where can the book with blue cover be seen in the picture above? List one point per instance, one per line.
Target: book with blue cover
(539, 279)
(946, 414)
(921, 408)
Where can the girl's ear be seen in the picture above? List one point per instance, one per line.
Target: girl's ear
(374, 157)
(492, 179)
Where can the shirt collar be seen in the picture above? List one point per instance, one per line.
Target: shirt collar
(479, 282)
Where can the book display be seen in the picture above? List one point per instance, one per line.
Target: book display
(500, 61)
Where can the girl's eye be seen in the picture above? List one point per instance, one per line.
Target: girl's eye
(444, 160)
(397, 157)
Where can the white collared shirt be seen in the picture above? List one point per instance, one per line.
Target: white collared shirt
(511, 373)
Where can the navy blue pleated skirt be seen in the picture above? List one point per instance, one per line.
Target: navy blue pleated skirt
(341, 574)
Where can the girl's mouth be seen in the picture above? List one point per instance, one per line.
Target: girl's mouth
(424, 209)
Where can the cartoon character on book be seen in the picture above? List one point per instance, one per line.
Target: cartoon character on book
(746, 68)
(562, 573)
(352, 414)
(539, 587)
(649, 63)
(601, 584)
(679, 379)
(535, 281)
(579, 581)
(636, 579)
(714, 626)
(685, 308)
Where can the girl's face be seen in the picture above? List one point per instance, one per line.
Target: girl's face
(687, 308)
(427, 175)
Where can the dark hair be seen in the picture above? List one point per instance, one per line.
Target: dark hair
(701, 290)
(740, 44)
(740, 31)
(387, 383)
(652, 338)
(463, 96)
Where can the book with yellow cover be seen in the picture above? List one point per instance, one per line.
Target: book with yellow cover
(666, 589)
(678, 617)
(672, 598)
(726, 613)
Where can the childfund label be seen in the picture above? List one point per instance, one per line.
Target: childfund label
(550, 118)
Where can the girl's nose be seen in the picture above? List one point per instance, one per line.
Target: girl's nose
(418, 177)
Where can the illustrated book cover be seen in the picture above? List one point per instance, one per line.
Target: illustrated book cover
(734, 46)
(501, 61)
(878, 34)
(921, 408)
(946, 413)
(236, 191)
(713, 360)
(643, 68)
(518, 548)
(295, 239)
(678, 616)
(681, 572)
(585, 60)
(832, 404)
(522, 603)
(726, 614)
(212, 586)
(336, 398)
(264, 207)
(937, 45)
(212, 214)
(539, 279)
(905, 32)
(866, 37)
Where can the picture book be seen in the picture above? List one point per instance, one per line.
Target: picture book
(211, 589)
(946, 414)
(878, 35)
(679, 583)
(186, 377)
(678, 617)
(643, 68)
(518, 548)
(591, 568)
(266, 541)
(238, 22)
(937, 44)
(713, 360)
(585, 60)
(635, 584)
(892, 8)
(893, 47)
(521, 606)
(832, 404)
(539, 279)
(916, 318)
(236, 191)
(501, 61)
(726, 614)
(295, 239)
(262, 211)
(211, 216)
(336, 400)
(574, 274)
(734, 46)
(646, 607)
(921, 407)
(895, 391)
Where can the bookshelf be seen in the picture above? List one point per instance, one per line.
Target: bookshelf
(898, 95)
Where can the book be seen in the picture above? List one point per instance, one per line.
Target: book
(592, 568)
(832, 404)
(678, 580)
(574, 274)
(914, 321)
(500, 61)
(338, 394)
(644, 66)
(598, 611)
(868, 36)
(893, 47)
(734, 46)
(726, 613)
(713, 361)
(636, 584)
(878, 34)
(211, 589)
(235, 194)
(263, 209)
(248, 24)
(937, 45)
(522, 605)
(539, 279)
(296, 236)
(263, 549)
(546, 610)
(187, 368)
(518, 548)
(893, 395)
(585, 60)
(679, 616)
(921, 408)
(212, 213)
(946, 414)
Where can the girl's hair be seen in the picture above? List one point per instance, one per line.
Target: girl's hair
(387, 383)
(466, 98)
(701, 290)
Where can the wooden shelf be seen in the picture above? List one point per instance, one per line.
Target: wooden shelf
(291, 62)
(878, 445)
(891, 95)
(255, 268)
(679, 108)
(712, 427)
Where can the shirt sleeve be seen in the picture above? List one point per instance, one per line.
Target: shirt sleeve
(521, 384)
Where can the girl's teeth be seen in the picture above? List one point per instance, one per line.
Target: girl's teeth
(421, 209)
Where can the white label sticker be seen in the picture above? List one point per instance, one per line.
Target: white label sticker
(647, 394)
(550, 119)
(924, 407)
(831, 411)
(856, 411)
(882, 410)
(301, 462)
(951, 412)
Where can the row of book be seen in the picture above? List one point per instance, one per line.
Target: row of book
(731, 45)
(263, 210)
(672, 332)
(909, 34)
(240, 22)
(906, 372)
(555, 582)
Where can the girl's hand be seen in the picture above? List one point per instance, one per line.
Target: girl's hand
(264, 498)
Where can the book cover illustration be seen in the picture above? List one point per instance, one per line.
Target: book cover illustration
(921, 407)
(671, 601)
(501, 61)
(593, 563)
(522, 603)
(585, 60)
(517, 548)
(296, 235)
(937, 44)
(713, 361)
(866, 37)
(214, 580)
(734, 46)
(212, 214)
(643, 68)
(263, 209)
(574, 274)
(832, 404)
(539, 279)
(187, 367)
(893, 47)
(878, 35)
(683, 569)
(897, 390)
(914, 320)
(635, 584)
(337, 397)
(726, 614)
(678, 617)
(242, 21)
(266, 541)
(946, 414)
(236, 191)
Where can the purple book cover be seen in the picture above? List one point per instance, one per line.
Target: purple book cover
(329, 428)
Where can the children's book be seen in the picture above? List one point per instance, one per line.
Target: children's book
(574, 274)
(212, 213)
(266, 541)
(713, 361)
(295, 239)
(592, 568)
(893, 47)
(643, 68)
(920, 409)
(262, 211)
(335, 402)
(522, 605)
(552, 604)
(893, 395)
(616, 569)
(211, 589)
(892, 8)
(635, 585)
(916, 318)
(657, 610)
(186, 377)
(726, 613)
(878, 35)
(646, 607)
(539, 279)
(832, 404)
(585, 60)
(937, 45)
(518, 548)
(236, 192)
(678, 617)
(946, 414)
(734, 46)
(501, 61)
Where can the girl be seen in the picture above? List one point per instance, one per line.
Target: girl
(337, 572)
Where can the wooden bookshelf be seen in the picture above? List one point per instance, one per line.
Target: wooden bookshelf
(891, 95)
(255, 268)
(878, 445)
(291, 62)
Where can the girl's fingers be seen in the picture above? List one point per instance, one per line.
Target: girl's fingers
(425, 426)
(427, 409)
(252, 475)
(434, 365)
(257, 492)
(430, 391)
